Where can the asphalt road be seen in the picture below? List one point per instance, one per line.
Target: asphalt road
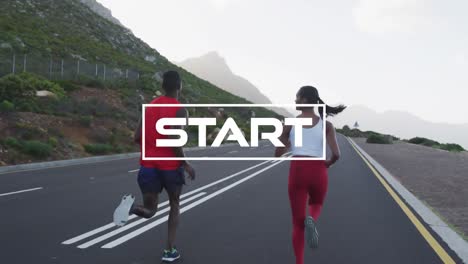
(235, 212)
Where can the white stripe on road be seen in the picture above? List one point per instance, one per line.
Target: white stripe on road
(226, 178)
(182, 210)
(126, 227)
(133, 170)
(287, 154)
(22, 191)
(111, 225)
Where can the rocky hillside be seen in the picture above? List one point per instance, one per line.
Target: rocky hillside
(101, 10)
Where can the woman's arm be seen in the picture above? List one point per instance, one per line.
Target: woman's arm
(284, 138)
(331, 140)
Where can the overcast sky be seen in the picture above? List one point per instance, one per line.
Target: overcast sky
(409, 55)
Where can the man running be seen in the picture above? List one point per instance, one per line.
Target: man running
(308, 179)
(156, 175)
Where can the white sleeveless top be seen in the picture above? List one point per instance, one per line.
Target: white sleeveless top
(312, 141)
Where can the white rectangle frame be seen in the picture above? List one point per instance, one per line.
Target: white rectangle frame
(144, 106)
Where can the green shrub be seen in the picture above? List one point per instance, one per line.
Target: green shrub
(28, 132)
(423, 141)
(451, 147)
(119, 149)
(36, 149)
(91, 82)
(6, 106)
(68, 86)
(86, 120)
(11, 142)
(25, 85)
(27, 105)
(53, 142)
(379, 139)
(98, 149)
(13, 87)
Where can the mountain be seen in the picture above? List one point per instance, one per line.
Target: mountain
(402, 124)
(101, 10)
(213, 68)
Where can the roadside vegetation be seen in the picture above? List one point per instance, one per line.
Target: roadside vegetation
(378, 138)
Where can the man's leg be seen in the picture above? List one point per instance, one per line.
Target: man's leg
(149, 208)
(174, 199)
(151, 184)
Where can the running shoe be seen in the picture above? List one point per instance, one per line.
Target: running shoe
(170, 255)
(311, 233)
(122, 212)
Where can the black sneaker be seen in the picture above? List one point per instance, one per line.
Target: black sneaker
(170, 255)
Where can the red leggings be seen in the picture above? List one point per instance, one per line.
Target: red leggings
(307, 178)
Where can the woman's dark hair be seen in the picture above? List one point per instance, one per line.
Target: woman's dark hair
(311, 95)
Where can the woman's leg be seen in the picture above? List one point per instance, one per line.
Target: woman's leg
(298, 199)
(317, 192)
(314, 210)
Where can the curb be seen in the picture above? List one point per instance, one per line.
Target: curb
(453, 239)
(63, 163)
(79, 161)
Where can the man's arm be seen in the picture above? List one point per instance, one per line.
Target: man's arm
(179, 151)
(137, 135)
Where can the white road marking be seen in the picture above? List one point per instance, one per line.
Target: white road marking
(126, 227)
(143, 229)
(22, 191)
(111, 225)
(133, 170)
(287, 154)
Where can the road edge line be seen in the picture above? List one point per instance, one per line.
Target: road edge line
(454, 241)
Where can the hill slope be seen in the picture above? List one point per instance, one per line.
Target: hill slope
(91, 116)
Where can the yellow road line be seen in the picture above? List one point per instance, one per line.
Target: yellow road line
(439, 250)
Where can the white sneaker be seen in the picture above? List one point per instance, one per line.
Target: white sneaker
(122, 212)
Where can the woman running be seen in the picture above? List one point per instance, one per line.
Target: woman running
(308, 178)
